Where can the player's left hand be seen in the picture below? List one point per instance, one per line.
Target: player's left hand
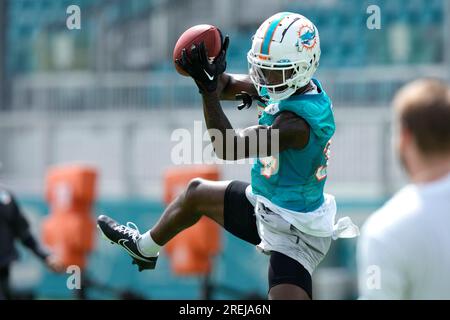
(204, 72)
(247, 100)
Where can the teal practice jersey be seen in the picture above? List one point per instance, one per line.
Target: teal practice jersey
(294, 179)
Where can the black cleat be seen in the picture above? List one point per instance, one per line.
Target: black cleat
(126, 237)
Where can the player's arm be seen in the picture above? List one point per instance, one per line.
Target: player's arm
(230, 85)
(288, 131)
(20, 227)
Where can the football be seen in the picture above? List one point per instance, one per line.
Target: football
(194, 36)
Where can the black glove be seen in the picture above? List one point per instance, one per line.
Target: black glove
(204, 73)
(247, 100)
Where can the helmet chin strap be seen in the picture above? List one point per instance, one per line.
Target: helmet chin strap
(298, 81)
(281, 95)
(287, 92)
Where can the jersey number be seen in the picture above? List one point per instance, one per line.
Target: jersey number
(270, 166)
(321, 172)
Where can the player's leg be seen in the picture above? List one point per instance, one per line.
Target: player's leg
(225, 202)
(288, 279)
(201, 197)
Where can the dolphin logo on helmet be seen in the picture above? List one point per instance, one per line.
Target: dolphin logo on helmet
(307, 36)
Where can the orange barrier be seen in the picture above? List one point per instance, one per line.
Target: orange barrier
(191, 252)
(69, 230)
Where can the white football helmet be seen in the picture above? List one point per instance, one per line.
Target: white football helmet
(286, 42)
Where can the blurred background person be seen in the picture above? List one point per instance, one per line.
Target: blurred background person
(14, 226)
(404, 249)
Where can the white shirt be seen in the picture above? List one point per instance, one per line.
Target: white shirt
(404, 248)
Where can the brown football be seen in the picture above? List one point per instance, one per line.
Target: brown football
(194, 36)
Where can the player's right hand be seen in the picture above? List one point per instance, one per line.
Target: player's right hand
(198, 66)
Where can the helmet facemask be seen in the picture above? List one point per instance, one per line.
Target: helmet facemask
(281, 80)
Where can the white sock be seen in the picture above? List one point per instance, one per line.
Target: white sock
(147, 246)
